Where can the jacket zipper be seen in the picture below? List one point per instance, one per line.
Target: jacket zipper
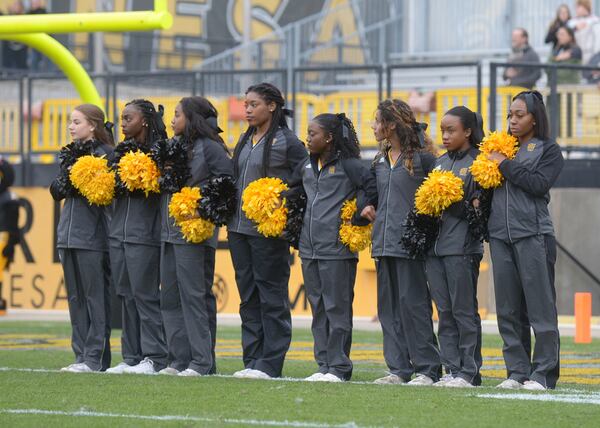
(311, 213)
(73, 200)
(506, 213)
(126, 219)
(387, 205)
(244, 182)
(437, 239)
(167, 217)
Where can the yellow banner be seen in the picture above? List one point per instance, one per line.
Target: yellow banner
(35, 279)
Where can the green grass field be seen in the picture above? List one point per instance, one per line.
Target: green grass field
(33, 393)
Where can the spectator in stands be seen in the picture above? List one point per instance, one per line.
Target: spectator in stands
(563, 15)
(15, 54)
(566, 52)
(522, 53)
(37, 60)
(587, 29)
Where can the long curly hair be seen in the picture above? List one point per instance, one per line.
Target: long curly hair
(407, 130)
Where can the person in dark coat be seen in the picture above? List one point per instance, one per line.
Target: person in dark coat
(523, 248)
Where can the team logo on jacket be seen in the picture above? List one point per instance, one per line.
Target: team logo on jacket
(463, 171)
(530, 147)
(332, 169)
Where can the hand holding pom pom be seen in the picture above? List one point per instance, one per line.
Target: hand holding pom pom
(184, 204)
(261, 202)
(494, 149)
(356, 238)
(439, 190)
(184, 209)
(139, 172)
(91, 176)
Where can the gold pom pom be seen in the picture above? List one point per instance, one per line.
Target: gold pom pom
(139, 172)
(356, 238)
(184, 204)
(500, 142)
(273, 225)
(91, 176)
(184, 210)
(261, 202)
(486, 172)
(439, 190)
(196, 230)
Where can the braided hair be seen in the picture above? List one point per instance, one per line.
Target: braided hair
(343, 135)
(200, 120)
(407, 129)
(154, 119)
(469, 120)
(270, 94)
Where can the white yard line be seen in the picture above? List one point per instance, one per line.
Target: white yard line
(229, 421)
(580, 398)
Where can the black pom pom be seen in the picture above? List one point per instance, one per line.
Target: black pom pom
(68, 156)
(171, 156)
(478, 217)
(420, 233)
(219, 200)
(296, 206)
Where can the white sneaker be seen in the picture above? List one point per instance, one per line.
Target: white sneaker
(242, 373)
(444, 379)
(68, 368)
(458, 382)
(390, 379)
(421, 380)
(532, 385)
(146, 366)
(256, 374)
(189, 373)
(118, 369)
(330, 377)
(510, 384)
(314, 377)
(169, 371)
(79, 368)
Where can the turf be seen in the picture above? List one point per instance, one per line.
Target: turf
(225, 401)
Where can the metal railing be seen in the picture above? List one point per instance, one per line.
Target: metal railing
(573, 108)
(34, 110)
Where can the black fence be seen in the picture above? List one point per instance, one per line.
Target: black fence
(574, 108)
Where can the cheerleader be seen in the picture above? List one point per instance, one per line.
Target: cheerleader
(452, 264)
(262, 265)
(523, 248)
(187, 264)
(332, 175)
(404, 303)
(9, 223)
(134, 246)
(81, 239)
